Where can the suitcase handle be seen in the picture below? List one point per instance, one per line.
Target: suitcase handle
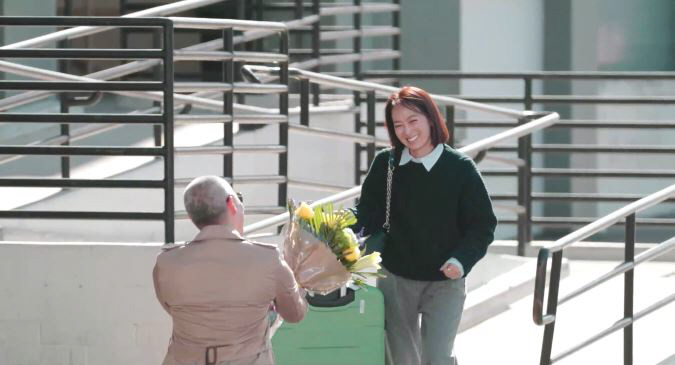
(332, 299)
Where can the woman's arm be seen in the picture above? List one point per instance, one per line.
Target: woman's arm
(476, 219)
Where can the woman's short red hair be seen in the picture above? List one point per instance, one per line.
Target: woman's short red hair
(416, 99)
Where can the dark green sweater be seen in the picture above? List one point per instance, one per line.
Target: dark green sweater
(435, 215)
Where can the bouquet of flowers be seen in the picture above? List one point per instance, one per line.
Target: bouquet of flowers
(322, 250)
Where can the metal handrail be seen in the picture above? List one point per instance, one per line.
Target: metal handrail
(648, 255)
(364, 32)
(48, 75)
(540, 121)
(229, 86)
(356, 85)
(610, 219)
(551, 171)
(339, 9)
(185, 22)
(576, 196)
(576, 99)
(349, 136)
(237, 24)
(122, 70)
(371, 55)
(471, 150)
(129, 68)
(241, 56)
(621, 324)
(82, 31)
(85, 132)
(137, 66)
(577, 123)
(165, 55)
(555, 250)
(550, 75)
(527, 98)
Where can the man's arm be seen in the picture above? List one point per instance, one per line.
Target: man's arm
(290, 298)
(155, 279)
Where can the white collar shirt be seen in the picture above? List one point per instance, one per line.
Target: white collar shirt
(428, 161)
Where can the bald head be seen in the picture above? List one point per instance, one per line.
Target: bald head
(205, 200)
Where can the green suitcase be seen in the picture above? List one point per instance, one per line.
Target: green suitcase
(337, 330)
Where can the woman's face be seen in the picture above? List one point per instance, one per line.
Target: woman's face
(413, 130)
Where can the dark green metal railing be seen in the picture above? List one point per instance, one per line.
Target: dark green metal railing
(165, 118)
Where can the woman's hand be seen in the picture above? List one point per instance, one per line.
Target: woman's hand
(451, 271)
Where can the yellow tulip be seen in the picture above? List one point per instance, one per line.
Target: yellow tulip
(304, 211)
(352, 254)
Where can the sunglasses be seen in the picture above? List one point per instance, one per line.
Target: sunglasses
(240, 197)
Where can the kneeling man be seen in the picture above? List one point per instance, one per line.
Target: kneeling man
(219, 287)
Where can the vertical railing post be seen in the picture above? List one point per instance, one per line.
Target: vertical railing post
(64, 99)
(450, 124)
(298, 10)
(396, 39)
(527, 100)
(64, 131)
(238, 11)
(628, 291)
(304, 101)
(525, 178)
(524, 191)
(228, 104)
(169, 210)
(551, 308)
(316, 49)
(357, 42)
(370, 123)
(156, 43)
(123, 31)
(283, 127)
(248, 15)
(259, 15)
(357, 146)
(528, 166)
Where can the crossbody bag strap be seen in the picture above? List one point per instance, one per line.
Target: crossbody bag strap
(390, 176)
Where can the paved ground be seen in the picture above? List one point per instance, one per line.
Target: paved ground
(512, 337)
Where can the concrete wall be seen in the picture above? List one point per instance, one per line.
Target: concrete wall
(618, 36)
(498, 36)
(80, 305)
(430, 39)
(94, 304)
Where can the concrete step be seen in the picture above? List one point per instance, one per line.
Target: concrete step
(512, 337)
(489, 295)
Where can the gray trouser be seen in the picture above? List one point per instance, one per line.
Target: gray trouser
(439, 302)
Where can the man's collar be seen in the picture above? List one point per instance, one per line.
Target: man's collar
(217, 232)
(428, 161)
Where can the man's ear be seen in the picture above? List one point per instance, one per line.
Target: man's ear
(231, 205)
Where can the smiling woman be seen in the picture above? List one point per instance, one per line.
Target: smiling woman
(412, 129)
(440, 224)
(414, 121)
